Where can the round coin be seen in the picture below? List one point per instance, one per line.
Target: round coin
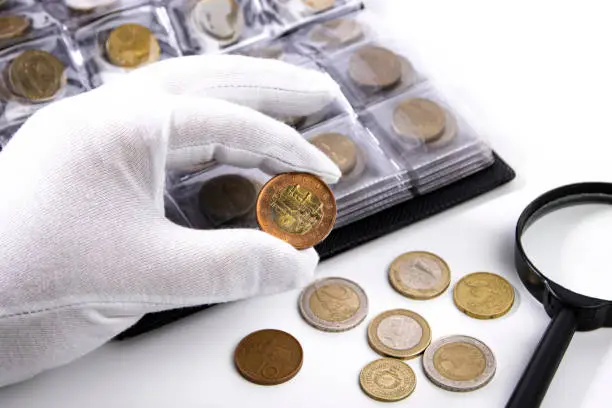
(220, 19)
(339, 148)
(483, 295)
(399, 333)
(419, 275)
(340, 31)
(459, 363)
(319, 5)
(132, 45)
(387, 380)
(226, 197)
(419, 118)
(268, 357)
(13, 26)
(378, 67)
(298, 208)
(333, 304)
(36, 75)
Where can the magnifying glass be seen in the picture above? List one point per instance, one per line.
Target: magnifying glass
(563, 250)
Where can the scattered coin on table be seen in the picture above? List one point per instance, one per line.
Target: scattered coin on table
(419, 118)
(268, 357)
(338, 32)
(483, 295)
(298, 208)
(13, 26)
(132, 45)
(36, 75)
(399, 333)
(459, 363)
(319, 5)
(339, 148)
(333, 304)
(375, 67)
(419, 275)
(387, 380)
(227, 197)
(220, 19)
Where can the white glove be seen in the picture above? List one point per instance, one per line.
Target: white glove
(85, 249)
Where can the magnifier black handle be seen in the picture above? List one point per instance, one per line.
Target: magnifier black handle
(534, 383)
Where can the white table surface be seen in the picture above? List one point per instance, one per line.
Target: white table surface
(536, 78)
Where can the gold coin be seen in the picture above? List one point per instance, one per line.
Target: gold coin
(420, 118)
(131, 45)
(36, 75)
(419, 275)
(372, 66)
(340, 31)
(339, 148)
(13, 26)
(483, 295)
(298, 208)
(399, 333)
(387, 380)
(319, 5)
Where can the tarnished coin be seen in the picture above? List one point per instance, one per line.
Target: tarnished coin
(227, 197)
(419, 275)
(268, 357)
(387, 380)
(399, 333)
(483, 295)
(131, 45)
(220, 19)
(36, 75)
(333, 304)
(319, 5)
(337, 32)
(298, 208)
(459, 363)
(339, 148)
(13, 26)
(419, 118)
(378, 67)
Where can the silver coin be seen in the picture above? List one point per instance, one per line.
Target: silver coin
(459, 363)
(220, 19)
(333, 304)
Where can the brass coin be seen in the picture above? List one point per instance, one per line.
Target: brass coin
(268, 357)
(339, 148)
(131, 45)
(340, 31)
(13, 26)
(319, 5)
(399, 333)
(298, 208)
(372, 66)
(420, 118)
(227, 197)
(419, 275)
(220, 19)
(36, 75)
(387, 380)
(483, 295)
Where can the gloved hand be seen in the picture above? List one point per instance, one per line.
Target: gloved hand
(85, 249)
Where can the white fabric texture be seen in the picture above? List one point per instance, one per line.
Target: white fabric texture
(85, 248)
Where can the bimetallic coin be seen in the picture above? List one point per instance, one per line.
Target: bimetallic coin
(483, 295)
(387, 380)
(220, 19)
(337, 32)
(339, 148)
(132, 45)
(227, 197)
(298, 208)
(268, 357)
(419, 275)
(333, 304)
(399, 333)
(319, 5)
(459, 363)
(36, 75)
(419, 118)
(378, 67)
(13, 26)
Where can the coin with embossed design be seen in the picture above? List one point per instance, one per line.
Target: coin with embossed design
(13, 26)
(419, 275)
(483, 295)
(36, 75)
(268, 357)
(298, 208)
(399, 333)
(337, 32)
(319, 5)
(333, 304)
(132, 45)
(339, 148)
(220, 19)
(459, 363)
(375, 67)
(387, 379)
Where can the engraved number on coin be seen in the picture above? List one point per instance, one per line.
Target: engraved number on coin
(334, 302)
(296, 210)
(459, 361)
(399, 332)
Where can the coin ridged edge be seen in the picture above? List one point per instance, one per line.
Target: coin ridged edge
(479, 316)
(363, 372)
(418, 294)
(385, 351)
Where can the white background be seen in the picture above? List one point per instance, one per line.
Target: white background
(536, 79)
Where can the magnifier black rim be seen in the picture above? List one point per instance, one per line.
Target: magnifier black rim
(589, 192)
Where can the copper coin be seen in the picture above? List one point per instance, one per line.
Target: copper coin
(36, 75)
(337, 32)
(373, 66)
(298, 208)
(339, 148)
(268, 357)
(131, 45)
(319, 5)
(420, 118)
(13, 26)
(227, 197)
